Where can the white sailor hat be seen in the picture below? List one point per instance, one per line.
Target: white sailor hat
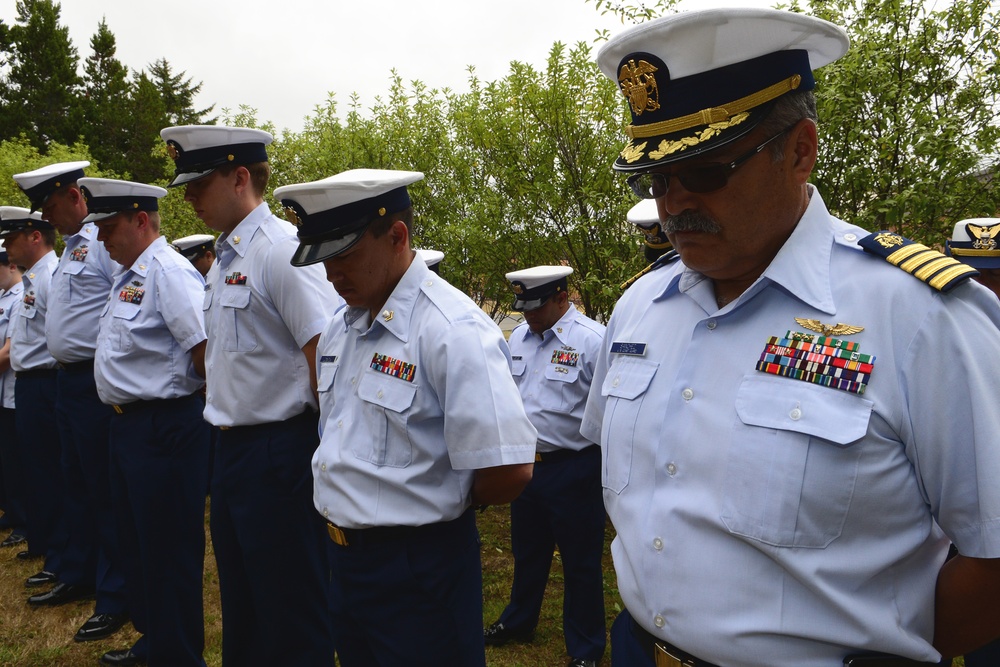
(107, 197)
(698, 80)
(39, 184)
(333, 214)
(194, 245)
(976, 242)
(533, 287)
(198, 150)
(432, 258)
(17, 219)
(645, 216)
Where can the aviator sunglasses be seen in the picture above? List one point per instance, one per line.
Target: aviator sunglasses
(700, 179)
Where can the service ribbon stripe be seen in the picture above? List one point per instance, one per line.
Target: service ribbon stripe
(802, 347)
(814, 378)
(848, 345)
(816, 367)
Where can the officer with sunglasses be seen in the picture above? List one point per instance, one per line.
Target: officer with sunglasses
(787, 452)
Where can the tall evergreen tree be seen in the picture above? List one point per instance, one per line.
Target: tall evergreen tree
(41, 92)
(145, 154)
(106, 96)
(178, 94)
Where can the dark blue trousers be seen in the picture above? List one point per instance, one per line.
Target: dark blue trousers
(91, 555)
(987, 656)
(271, 547)
(38, 440)
(562, 506)
(626, 650)
(13, 472)
(159, 468)
(411, 597)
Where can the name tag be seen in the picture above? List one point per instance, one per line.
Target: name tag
(327, 359)
(632, 349)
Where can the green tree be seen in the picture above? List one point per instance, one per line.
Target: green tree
(106, 96)
(145, 153)
(41, 91)
(178, 95)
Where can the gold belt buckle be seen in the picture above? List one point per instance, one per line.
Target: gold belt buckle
(665, 658)
(336, 534)
(118, 409)
(538, 457)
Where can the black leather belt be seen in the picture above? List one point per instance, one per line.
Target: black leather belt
(563, 454)
(37, 373)
(665, 654)
(77, 366)
(358, 537)
(136, 406)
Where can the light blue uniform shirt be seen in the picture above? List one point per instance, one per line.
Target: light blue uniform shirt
(10, 302)
(553, 373)
(764, 520)
(79, 292)
(28, 351)
(259, 312)
(411, 405)
(150, 323)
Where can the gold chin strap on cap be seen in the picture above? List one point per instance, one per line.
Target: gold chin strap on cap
(715, 114)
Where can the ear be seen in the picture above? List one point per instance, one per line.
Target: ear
(802, 151)
(400, 236)
(141, 220)
(74, 194)
(242, 178)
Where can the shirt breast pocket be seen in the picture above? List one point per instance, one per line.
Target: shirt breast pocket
(792, 466)
(625, 388)
(238, 332)
(123, 318)
(325, 374)
(386, 403)
(72, 269)
(562, 392)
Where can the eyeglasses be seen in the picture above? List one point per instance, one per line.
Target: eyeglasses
(700, 179)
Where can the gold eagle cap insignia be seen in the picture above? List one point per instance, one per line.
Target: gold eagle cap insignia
(985, 235)
(828, 329)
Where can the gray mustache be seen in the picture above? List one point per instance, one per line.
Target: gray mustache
(691, 221)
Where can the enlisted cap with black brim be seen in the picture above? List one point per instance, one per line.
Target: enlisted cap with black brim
(533, 287)
(39, 184)
(976, 242)
(108, 197)
(198, 150)
(432, 258)
(334, 213)
(646, 217)
(194, 245)
(15, 219)
(699, 80)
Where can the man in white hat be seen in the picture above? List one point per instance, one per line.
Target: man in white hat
(199, 249)
(263, 319)
(149, 370)
(553, 353)
(79, 292)
(11, 290)
(28, 241)
(420, 422)
(787, 449)
(656, 246)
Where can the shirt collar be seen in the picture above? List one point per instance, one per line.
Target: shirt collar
(239, 239)
(42, 264)
(801, 267)
(141, 265)
(396, 313)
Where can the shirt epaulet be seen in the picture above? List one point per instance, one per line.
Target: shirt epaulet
(941, 272)
(661, 261)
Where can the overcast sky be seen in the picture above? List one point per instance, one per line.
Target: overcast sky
(282, 57)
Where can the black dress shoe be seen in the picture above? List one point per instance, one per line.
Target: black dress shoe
(581, 662)
(40, 579)
(498, 635)
(122, 657)
(100, 626)
(27, 555)
(13, 540)
(61, 594)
